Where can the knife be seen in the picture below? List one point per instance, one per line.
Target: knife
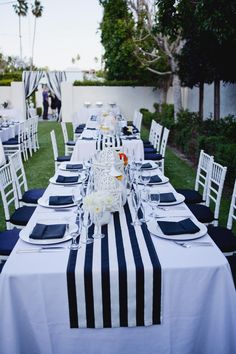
(42, 249)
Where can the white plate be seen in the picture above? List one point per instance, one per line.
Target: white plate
(154, 228)
(164, 180)
(53, 181)
(154, 165)
(45, 203)
(63, 166)
(24, 234)
(179, 198)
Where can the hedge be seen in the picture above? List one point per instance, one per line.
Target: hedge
(110, 83)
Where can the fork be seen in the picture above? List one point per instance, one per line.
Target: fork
(194, 243)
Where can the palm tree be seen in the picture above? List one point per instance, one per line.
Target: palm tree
(37, 11)
(21, 9)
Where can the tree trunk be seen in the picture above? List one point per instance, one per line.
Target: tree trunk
(201, 99)
(177, 95)
(20, 38)
(216, 100)
(32, 57)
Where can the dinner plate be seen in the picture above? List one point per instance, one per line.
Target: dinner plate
(164, 180)
(53, 181)
(154, 229)
(154, 166)
(45, 203)
(63, 166)
(24, 234)
(179, 198)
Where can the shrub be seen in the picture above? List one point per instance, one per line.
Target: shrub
(110, 83)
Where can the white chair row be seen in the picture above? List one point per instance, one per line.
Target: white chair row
(15, 193)
(26, 139)
(137, 120)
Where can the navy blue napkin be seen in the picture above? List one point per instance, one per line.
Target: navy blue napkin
(155, 179)
(67, 179)
(76, 166)
(164, 197)
(185, 226)
(60, 200)
(85, 138)
(91, 128)
(131, 138)
(146, 165)
(46, 232)
(125, 131)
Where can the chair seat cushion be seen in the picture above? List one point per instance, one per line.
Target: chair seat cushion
(32, 195)
(81, 126)
(70, 143)
(8, 240)
(153, 157)
(22, 215)
(150, 150)
(224, 238)
(232, 263)
(10, 142)
(201, 212)
(63, 158)
(191, 196)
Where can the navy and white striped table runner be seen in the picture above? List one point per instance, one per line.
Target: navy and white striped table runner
(116, 281)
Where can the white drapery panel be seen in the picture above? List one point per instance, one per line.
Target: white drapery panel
(54, 80)
(31, 81)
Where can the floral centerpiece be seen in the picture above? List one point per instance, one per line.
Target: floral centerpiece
(100, 201)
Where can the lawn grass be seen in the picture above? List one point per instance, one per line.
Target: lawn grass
(40, 167)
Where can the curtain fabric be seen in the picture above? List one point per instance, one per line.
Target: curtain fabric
(31, 81)
(54, 80)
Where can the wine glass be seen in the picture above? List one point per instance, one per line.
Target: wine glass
(145, 177)
(77, 200)
(145, 197)
(138, 164)
(154, 201)
(75, 242)
(97, 218)
(87, 222)
(131, 176)
(136, 201)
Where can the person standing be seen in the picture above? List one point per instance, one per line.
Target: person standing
(45, 103)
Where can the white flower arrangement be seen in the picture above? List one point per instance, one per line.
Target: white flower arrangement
(98, 201)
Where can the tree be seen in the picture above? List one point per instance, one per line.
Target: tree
(21, 9)
(166, 43)
(75, 59)
(117, 29)
(37, 11)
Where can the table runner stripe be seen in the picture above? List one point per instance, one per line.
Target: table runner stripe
(71, 289)
(116, 293)
(88, 282)
(106, 297)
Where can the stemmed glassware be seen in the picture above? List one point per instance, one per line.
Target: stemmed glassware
(154, 202)
(136, 200)
(87, 222)
(75, 244)
(97, 218)
(145, 177)
(145, 197)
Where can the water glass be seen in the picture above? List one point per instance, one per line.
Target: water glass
(87, 222)
(154, 202)
(145, 198)
(97, 219)
(145, 177)
(136, 201)
(75, 235)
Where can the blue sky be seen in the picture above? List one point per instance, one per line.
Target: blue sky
(67, 28)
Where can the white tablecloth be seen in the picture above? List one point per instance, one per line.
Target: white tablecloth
(198, 303)
(11, 113)
(9, 132)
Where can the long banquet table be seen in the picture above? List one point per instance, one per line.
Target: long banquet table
(197, 311)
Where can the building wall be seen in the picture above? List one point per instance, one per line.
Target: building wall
(15, 95)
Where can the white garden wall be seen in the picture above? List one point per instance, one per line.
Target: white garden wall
(15, 95)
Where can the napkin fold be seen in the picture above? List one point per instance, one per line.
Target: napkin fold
(126, 131)
(146, 165)
(76, 166)
(46, 232)
(85, 138)
(164, 197)
(185, 226)
(155, 179)
(67, 179)
(131, 138)
(60, 200)
(88, 128)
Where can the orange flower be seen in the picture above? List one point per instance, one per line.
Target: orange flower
(124, 158)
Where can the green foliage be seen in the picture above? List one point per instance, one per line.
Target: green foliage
(111, 83)
(13, 76)
(117, 32)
